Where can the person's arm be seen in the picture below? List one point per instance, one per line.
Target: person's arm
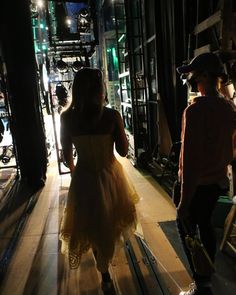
(181, 149)
(192, 157)
(234, 144)
(234, 133)
(66, 144)
(121, 142)
(2, 129)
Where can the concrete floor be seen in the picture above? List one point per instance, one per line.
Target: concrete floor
(37, 267)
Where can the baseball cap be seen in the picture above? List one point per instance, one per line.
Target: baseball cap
(208, 62)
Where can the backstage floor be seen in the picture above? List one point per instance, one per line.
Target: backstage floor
(150, 264)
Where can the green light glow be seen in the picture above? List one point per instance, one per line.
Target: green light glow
(114, 56)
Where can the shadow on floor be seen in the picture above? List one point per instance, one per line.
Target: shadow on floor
(224, 279)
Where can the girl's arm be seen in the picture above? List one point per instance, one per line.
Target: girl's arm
(121, 142)
(67, 147)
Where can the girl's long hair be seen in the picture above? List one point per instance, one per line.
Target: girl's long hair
(88, 93)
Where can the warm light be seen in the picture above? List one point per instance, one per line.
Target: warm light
(68, 21)
(40, 3)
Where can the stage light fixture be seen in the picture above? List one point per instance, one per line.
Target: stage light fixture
(77, 64)
(83, 21)
(68, 22)
(34, 10)
(62, 66)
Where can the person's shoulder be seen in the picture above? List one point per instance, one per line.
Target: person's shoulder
(199, 101)
(195, 106)
(65, 115)
(225, 103)
(110, 110)
(202, 104)
(230, 104)
(112, 113)
(195, 109)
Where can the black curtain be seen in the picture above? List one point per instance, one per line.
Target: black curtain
(19, 58)
(171, 52)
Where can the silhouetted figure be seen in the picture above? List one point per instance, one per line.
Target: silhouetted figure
(208, 128)
(100, 210)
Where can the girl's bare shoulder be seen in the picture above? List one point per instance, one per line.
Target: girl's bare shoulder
(111, 113)
(65, 115)
(109, 121)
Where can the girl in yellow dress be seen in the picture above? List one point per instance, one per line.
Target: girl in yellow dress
(100, 211)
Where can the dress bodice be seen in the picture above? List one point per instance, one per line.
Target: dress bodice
(95, 151)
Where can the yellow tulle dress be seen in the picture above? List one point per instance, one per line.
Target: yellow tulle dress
(100, 211)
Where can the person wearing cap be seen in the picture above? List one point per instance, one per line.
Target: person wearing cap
(208, 128)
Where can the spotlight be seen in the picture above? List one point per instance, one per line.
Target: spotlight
(62, 66)
(40, 3)
(34, 10)
(68, 22)
(77, 65)
(83, 21)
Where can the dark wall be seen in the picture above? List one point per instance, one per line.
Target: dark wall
(171, 51)
(19, 58)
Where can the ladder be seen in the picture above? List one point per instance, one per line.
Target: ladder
(220, 26)
(132, 76)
